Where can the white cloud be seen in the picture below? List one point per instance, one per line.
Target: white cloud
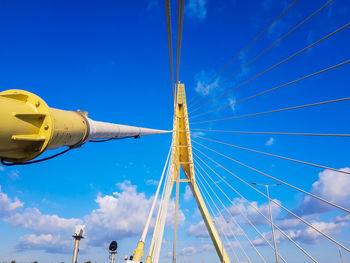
(208, 247)
(115, 215)
(232, 100)
(152, 182)
(197, 9)
(309, 235)
(299, 231)
(227, 226)
(243, 71)
(202, 79)
(188, 251)
(2, 168)
(310, 40)
(33, 220)
(47, 242)
(120, 215)
(14, 174)
(251, 213)
(270, 141)
(332, 186)
(198, 133)
(187, 194)
(51, 232)
(198, 230)
(7, 205)
(170, 220)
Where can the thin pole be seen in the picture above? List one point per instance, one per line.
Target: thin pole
(340, 255)
(176, 218)
(112, 257)
(272, 228)
(76, 249)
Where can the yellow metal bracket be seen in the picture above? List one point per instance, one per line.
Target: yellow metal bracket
(28, 126)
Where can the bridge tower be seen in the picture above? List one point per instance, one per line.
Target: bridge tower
(183, 157)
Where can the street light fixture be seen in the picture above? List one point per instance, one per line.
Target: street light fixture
(113, 250)
(272, 228)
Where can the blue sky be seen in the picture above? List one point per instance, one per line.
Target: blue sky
(110, 58)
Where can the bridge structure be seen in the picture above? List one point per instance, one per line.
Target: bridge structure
(187, 153)
(188, 160)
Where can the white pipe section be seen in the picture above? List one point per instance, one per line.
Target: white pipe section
(104, 130)
(156, 227)
(163, 214)
(144, 234)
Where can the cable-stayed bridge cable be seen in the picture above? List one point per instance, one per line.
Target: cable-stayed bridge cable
(218, 221)
(229, 213)
(275, 88)
(275, 155)
(264, 51)
(276, 133)
(245, 49)
(257, 209)
(285, 183)
(170, 46)
(284, 208)
(180, 16)
(155, 232)
(274, 66)
(273, 111)
(143, 236)
(238, 209)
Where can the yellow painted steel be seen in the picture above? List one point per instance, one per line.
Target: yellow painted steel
(28, 126)
(182, 149)
(138, 252)
(148, 259)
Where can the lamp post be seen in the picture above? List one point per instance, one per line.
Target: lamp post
(113, 250)
(78, 235)
(272, 228)
(341, 256)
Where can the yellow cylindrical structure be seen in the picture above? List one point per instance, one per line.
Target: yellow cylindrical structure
(148, 259)
(28, 126)
(69, 128)
(138, 252)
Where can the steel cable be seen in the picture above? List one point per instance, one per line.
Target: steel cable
(170, 46)
(217, 221)
(274, 66)
(275, 88)
(229, 213)
(270, 47)
(221, 228)
(276, 133)
(238, 209)
(277, 156)
(287, 184)
(256, 209)
(241, 53)
(180, 17)
(273, 111)
(286, 209)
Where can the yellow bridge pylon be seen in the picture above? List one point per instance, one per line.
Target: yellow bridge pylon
(183, 157)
